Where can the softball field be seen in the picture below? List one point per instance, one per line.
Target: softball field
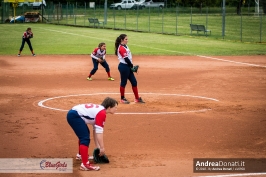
(196, 107)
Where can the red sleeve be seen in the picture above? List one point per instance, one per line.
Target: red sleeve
(25, 34)
(122, 51)
(94, 52)
(100, 118)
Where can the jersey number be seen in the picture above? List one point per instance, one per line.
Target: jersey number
(91, 106)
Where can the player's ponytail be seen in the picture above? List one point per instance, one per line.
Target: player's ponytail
(118, 41)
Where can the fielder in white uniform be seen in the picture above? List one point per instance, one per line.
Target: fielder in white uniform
(93, 114)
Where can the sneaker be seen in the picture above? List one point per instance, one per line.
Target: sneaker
(18, 55)
(88, 167)
(78, 157)
(111, 79)
(139, 100)
(89, 78)
(124, 101)
(33, 54)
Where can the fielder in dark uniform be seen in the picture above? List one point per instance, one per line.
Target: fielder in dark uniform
(124, 67)
(26, 38)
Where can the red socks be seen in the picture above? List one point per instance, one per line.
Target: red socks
(136, 93)
(84, 153)
(122, 92)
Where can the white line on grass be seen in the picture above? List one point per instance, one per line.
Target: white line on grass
(172, 51)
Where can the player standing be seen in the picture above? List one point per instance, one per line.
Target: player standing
(124, 67)
(98, 56)
(26, 38)
(93, 114)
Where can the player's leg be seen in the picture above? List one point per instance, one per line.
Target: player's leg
(30, 46)
(134, 84)
(107, 69)
(21, 47)
(95, 68)
(124, 71)
(83, 133)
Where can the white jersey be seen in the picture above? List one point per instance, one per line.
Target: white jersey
(98, 53)
(92, 114)
(123, 52)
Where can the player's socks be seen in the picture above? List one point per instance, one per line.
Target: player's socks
(84, 153)
(122, 92)
(136, 93)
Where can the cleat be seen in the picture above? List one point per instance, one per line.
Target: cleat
(111, 79)
(78, 157)
(88, 167)
(124, 101)
(18, 55)
(89, 78)
(139, 100)
(33, 54)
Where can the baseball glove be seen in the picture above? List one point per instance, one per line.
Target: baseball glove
(135, 69)
(101, 60)
(99, 159)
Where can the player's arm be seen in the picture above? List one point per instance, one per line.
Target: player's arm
(98, 131)
(123, 53)
(93, 55)
(99, 137)
(95, 139)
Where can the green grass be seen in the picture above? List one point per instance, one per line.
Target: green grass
(171, 23)
(59, 39)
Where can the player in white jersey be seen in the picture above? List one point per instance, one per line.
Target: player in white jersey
(98, 56)
(81, 115)
(124, 67)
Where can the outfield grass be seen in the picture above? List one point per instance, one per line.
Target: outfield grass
(175, 21)
(59, 39)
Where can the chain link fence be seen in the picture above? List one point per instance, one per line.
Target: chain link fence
(248, 26)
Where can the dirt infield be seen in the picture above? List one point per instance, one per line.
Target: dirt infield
(196, 107)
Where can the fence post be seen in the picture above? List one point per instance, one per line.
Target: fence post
(223, 24)
(137, 18)
(105, 12)
(240, 24)
(114, 16)
(67, 13)
(84, 12)
(191, 18)
(162, 19)
(260, 25)
(207, 17)
(149, 19)
(176, 20)
(125, 18)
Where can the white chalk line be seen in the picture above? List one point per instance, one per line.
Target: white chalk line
(41, 103)
(172, 51)
(230, 61)
(229, 175)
